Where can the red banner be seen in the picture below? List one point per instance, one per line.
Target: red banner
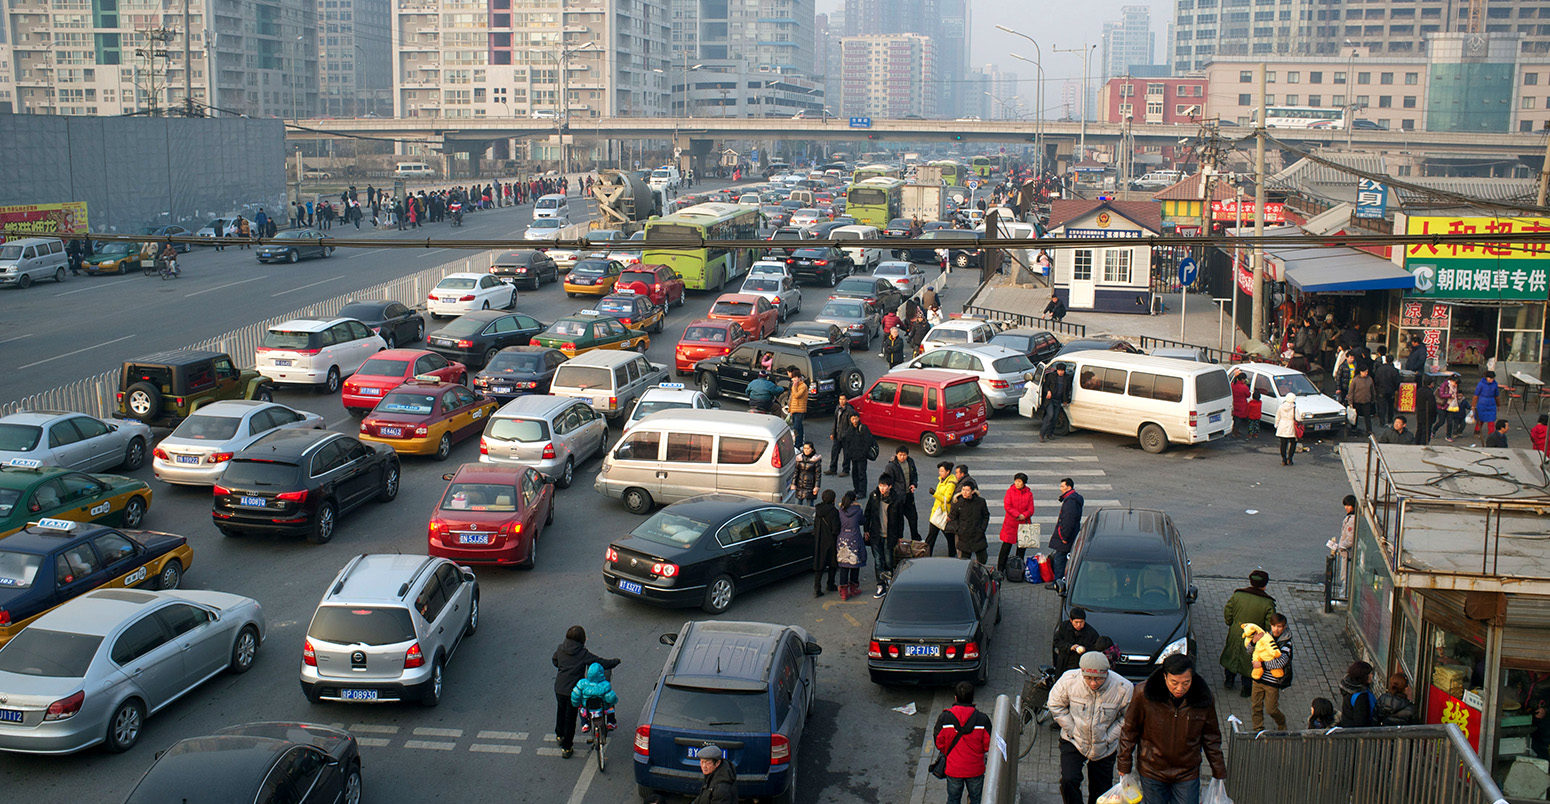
(1444, 708)
(43, 220)
(1227, 210)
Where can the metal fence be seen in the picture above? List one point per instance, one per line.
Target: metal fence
(1148, 343)
(1001, 763)
(1396, 765)
(1025, 320)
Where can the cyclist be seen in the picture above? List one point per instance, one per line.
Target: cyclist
(167, 259)
(571, 660)
(456, 208)
(593, 692)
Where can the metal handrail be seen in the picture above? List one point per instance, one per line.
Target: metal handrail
(1215, 355)
(1001, 765)
(1025, 320)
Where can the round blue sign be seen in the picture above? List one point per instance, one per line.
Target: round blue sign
(1188, 272)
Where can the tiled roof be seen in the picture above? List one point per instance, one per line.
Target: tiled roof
(1188, 189)
(1146, 213)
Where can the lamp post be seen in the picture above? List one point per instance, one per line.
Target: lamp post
(1038, 112)
(563, 118)
(1350, 97)
(1086, 52)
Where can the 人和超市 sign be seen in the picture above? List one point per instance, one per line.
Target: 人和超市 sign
(1482, 270)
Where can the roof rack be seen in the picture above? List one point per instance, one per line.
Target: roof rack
(344, 574)
(404, 590)
(799, 339)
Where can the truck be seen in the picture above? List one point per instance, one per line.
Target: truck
(925, 200)
(624, 201)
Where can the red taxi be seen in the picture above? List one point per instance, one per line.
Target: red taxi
(491, 514)
(931, 407)
(391, 368)
(704, 339)
(659, 283)
(755, 313)
(426, 417)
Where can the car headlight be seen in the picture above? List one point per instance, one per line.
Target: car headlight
(1180, 645)
(1305, 416)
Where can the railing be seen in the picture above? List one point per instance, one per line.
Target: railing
(1025, 320)
(1396, 765)
(1148, 343)
(1001, 765)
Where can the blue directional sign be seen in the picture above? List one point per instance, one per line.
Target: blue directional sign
(972, 184)
(1188, 271)
(860, 122)
(1372, 199)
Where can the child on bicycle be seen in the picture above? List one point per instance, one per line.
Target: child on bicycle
(595, 687)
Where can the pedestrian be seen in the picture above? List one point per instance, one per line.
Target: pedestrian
(1089, 705)
(261, 223)
(1361, 394)
(762, 393)
(1240, 404)
(842, 411)
(941, 500)
(1394, 707)
(796, 405)
(1385, 381)
(928, 297)
(1067, 523)
(860, 447)
(571, 660)
(244, 233)
(963, 736)
(1449, 408)
(826, 533)
(884, 526)
(1425, 409)
(1170, 723)
(1075, 638)
(1539, 434)
(1056, 390)
(850, 546)
(905, 479)
(1056, 308)
(1273, 676)
(1486, 392)
(1358, 707)
(1396, 433)
(1249, 604)
(1340, 547)
(720, 783)
(894, 346)
(1415, 360)
(808, 476)
(1321, 715)
(969, 518)
(1256, 412)
(1286, 428)
(1497, 437)
(1017, 507)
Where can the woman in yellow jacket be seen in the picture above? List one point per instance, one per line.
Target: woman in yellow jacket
(941, 498)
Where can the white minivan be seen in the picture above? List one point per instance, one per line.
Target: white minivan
(29, 259)
(553, 205)
(1157, 400)
(307, 351)
(413, 170)
(866, 258)
(673, 455)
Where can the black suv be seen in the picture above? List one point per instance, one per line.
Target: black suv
(164, 388)
(529, 268)
(826, 264)
(828, 367)
(300, 482)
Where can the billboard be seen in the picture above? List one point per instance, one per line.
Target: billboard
(1481, 270)
(42, 220)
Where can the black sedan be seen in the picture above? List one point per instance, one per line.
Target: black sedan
(301, 482)
(396, 322)
(935, 624)
(817, 329)
(530, 268)
(518, 370)
(1098, 344)
(256, 762)
(899, 227)
(880, 295)
(1130, 571)
(293, 245)
(706, 550)
(826, 264)
(1037, 344)
(956, 257)
(473, 339)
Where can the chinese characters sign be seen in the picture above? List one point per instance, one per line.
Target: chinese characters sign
(1372, 198)
(1483, 270)
(29, 220)
(1425, 315)
(1444, 708)
(1227, 210)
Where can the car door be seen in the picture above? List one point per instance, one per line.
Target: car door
(745, 552)
(459, 594)
(791, 540)
(147, 656)
(228, 379)
(566, 423)
(527, 327)
(500, 333)
(121, 558)
(359, 473)
(303, 775)
(197, 636)
(77, 570)
(395, 320)
(737, 370)
(101, 443)
(881, 419)
(470, 408)
(85, 498)
(64, 443)
(363, 343)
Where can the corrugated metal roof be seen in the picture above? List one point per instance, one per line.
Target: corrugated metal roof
(1303, 172)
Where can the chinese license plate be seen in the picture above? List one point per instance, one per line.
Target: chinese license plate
(358, 695)
(279, 362)
(1324, 426)
(473, 538)
(392, 432)
(188, 459)
(371, 392)
(967, 437)
(630, 586)
(252, 502)
(922, 650)
(11, 715)
(1215, 417)
(502, 389)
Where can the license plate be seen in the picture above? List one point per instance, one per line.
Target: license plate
(358, 695)
(967, 438)
(473, 538)
(1320, 427)
(371, 392)
(502, 389)
(282, 362)
(631, 587)
(188, 459)
(392, 432)
(1215, 417)
(252, 502)
(1016, 386)
(922, 650)
(441, 341)
(11, 715)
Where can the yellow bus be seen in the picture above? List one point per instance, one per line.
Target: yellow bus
(952, 173)
(707, 267)
(875, 202)
(876, 172)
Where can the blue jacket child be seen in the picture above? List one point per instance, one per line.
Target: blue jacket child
(595, 685)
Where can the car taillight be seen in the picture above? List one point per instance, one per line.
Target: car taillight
(512, 529)
(780, 749)
(893, 651)
(309, 657)
(657, 286)
(820, 262)
(971, 650)
(5, 617)
(570, 346)
(160, 453)
(1192, 415)
(775, 460)
(874, 650)
(292, 496)
(664, 569)
(999, 384)
(465, 298)
(420, 431)
(549, 450)
(951, 651)
(65, 707)
(484, 447)
(430, 297)
(611, 555)
(218, 457)
(437, 527)
(643, 741)
(613, 402)
(570, 277)
(366, 427)
(465, 344)
(413, 657)
(219, 489)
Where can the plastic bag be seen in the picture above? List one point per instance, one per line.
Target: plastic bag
(1215, 793)
(1127, 791)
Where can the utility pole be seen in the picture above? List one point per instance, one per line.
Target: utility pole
(156, 40)
(1258, 299)
(188, 63)
(1210, 153)
(1544, 177)
(1086, 51)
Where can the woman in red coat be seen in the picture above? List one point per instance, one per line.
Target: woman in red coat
(1240, 404)
(1018, 504)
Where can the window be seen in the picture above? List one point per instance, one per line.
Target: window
(1292, 99)
(1362, 101)
(138, 639)
(912, 396)
(883, 393)
(741, 451)
(689, 447)
(1316, 77)
(1409, 102)
(113, 547)
(1082, 265)
(1270, 98)
(1340, 78)
(1293, 77)
(1116, 266)
(1364, 78)
(430, 601)
(1385, 101)
(1411, 79)
(89, 427)
(1315, 100)
(778, 521)
(1528, 103)
(638, 447)
(1529, 79)
(181, 618)
(741, 529)
(79, 487)
(64, 433)
(75, 564)
(1109, 380)
(1385, 78)
(1270, 76)
(1246, 76)
(1245, 99)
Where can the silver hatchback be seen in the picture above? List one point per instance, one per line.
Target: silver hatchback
(553, 434)
(999, 369)
(74, 440)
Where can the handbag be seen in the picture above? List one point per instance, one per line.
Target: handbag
(938, 518)
(1028, 535)
(939, 765)
(871, 452)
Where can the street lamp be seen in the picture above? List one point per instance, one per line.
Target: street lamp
(1038, 63)
(1350, 96)
(1087, 53)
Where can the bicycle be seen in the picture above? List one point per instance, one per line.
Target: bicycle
(597, 718)
(1032, 704)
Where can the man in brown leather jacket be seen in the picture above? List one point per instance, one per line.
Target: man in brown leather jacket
(1172, 719)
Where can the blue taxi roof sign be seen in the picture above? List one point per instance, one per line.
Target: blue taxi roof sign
(24, 463)
(671, 386)
(588, 312)
(56, 524)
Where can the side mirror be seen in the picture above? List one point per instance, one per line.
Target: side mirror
(1028, 375)
(1189, 596)
(813, 648)
(668, 639)
(447, 476)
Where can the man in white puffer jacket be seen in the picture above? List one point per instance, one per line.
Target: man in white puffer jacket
(1089, 706)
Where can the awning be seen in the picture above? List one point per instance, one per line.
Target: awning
(1329, 269)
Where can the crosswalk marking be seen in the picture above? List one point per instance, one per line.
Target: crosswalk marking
(429, 745)
(373, 742)
(486, 748)
(1001, 445)
(372, 728)
(502, 735)
(430, 732)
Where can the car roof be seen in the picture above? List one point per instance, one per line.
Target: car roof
(991, 350)
(519, 256)
(722, 650)
(930, 376)
(215, 768)
(240, 407)
(717, 507)
(378, 577)
(932, 572)
(307, 324)
(37, 416)
(1029, 331)
(379, 304)
(177, 356)
(721, 422)
(401, 354)
(460, 275)
(961, 323)
(535, 405)
(20, 477)
(1268, 368)
(40, 540)
(747, 298)
(1136, 532)
(600, 357)
(489, 473)
(1131, 359)
(687, 395)
(98, 612)
(285, 444)
(485, 315)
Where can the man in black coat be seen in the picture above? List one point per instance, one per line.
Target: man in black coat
(968, 519)
(1057, 388)
(1066, 525)
(902, 470)
(571, 659)
(826, 532)
(1416, 360)
(1385, 383)
(858, 443)
(884, 524)
(1074, 637)
(842, 411)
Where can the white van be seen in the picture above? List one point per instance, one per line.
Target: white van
(29, 259)
(1158, 400)
(677, 454)
(554, 206)
(665, 179)
(867, 258)
(413, 170)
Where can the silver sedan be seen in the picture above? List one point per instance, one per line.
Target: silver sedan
(91, 670)
(196, 453)
(74, 440)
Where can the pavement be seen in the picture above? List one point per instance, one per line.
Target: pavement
(1203, 325)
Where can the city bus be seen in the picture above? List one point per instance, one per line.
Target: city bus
(951, 173)
(707, 267)
(875, 202)
(985, 166)
(876, 172)
(1304, 117)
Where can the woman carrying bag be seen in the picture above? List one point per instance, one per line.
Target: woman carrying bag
(1017, 528)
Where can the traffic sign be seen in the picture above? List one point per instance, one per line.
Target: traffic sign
(972, 184)
(1188, 271)
(860, 122)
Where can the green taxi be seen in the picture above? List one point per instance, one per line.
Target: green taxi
(30, 491)
(117, 257)
(589, 330)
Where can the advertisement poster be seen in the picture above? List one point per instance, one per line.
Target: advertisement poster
(1479, 270)
(1444, 708)
(42, 220)
(1227, 210)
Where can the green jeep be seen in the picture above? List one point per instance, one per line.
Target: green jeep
(165, 388)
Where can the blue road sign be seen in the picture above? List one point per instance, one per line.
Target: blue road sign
(972, 184)
(860, 122)
(1188, 271)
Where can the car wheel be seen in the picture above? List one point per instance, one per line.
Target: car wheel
(331, 382)
(708, 385)
(637, 500)
(854, 382)
(143, 401)
(961, 261)
(489, 354)
(352, 785)
(265, 394)
(292, 256)
(484, 305)
(532, 545)
(1153, 439)
(170, 576)
(323, 523)
(391, 476)
(832, 278)
(134, 455)
(244, 650)
(443, 447)
(930, 444)
(419, 331)
(311, 694)
(59, 275)
(660, 325)
(567, 474)
(25, 281)
(432, 694)
(982, 674)
(473, 616)
(391, 340)
(134, 512)
(718, 596)
(124, 726)
(789, 795)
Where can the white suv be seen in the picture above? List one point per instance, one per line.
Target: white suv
(306, 351)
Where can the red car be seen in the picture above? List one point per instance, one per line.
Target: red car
(659, 283)
(930, 407)
(391, 368)
(704, 339)
(755, 313)
(492, 514)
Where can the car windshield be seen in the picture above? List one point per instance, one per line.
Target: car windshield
(703, 334)
(590, 268)
(383, 367)
(960, 395)
(1298, 384)
(943, 335)
(51, 654)
(457, 283)
(479, 497)
(583, 377)
(1122, 585)
(518, 362)
(10, 252)
(524, 430)
(365, 625)
(568, 329)
(415, 404)
(200, 427)
(839, 234)
(463, 326)
(282, 339)
(842, 309)
(18, 569)
(18, 437)
(756, 284)
(545, 223)
(672, 528)
(644, 277)
(732, 308)
(830, 359)
(118, 248)
(249, 474)
(360, 312)
(923, 606)
(1016, 364)
(646, 407)
(698, 709)
(625, 307)
(856, 284)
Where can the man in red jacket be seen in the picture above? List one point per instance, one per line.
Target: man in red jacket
(963, 735)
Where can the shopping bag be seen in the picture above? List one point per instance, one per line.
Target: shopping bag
(1028, 536)
(1046, 569)
(1215, 793)
(1469, 418)
(1126, 791)
(939, 518)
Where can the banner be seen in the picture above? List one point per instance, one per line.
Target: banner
(43, 220)
(1444, 708)
(1483, 270)
(1227, 211)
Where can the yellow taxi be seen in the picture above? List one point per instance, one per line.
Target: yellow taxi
(426, 416)
(592, 277)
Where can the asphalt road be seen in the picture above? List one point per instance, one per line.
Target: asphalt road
(490, 737)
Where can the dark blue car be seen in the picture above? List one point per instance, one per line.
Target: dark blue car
(745, 687)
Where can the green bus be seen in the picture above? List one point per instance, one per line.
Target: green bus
(709, 267)
(952, 173)
(875, 202)
(875, 172)
(986, 166)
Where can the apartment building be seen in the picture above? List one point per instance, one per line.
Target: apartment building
(1152, 100)
(355, 58)
(887, 76)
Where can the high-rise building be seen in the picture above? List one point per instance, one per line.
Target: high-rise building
(736, 58)
(946, 22)
(1127, 41)
(826, 52)
(355, 58)
(999, 95)
(252, 57)
(886, 75)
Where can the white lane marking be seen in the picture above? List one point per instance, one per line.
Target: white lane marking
(95, 286)
(484, 748)
(76, 352)
(430, 732)
(304, 287)
(502, 735)
(364, 253)
(927, 751)
(429, 745)
(1060, 458)
(16, 338)
(578, 794)
(1016, 445)
(223, 287)
(372, 728)
(373, 742)
(549, 752)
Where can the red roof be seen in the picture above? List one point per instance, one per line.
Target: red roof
(1188, 189)
(1147, 214)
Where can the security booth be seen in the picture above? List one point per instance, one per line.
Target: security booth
(1108, 278)
(1450, 584)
